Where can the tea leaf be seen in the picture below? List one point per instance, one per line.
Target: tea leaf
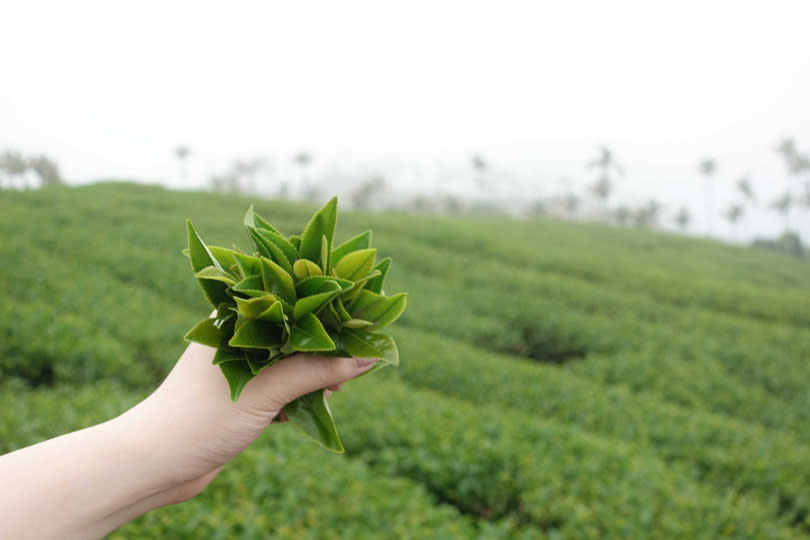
(357, 264)
(277, 281)
(310, 413)
(252, 219)
(250, 286)
(252, 308)
(290, 253)
(361, 241)
(269, 250)
(206, 333)
(310, 304)
(304, 268)
(376, 284)
(378, 309)
(255, 334)
(362, 344)
(274, 314)
(308, 335)
(216, 274)
(357, 323)
(322, 224)
(319, 284)
(238, 374)
(249, 265)
(227, 354)
(224, 256)
(215, 291)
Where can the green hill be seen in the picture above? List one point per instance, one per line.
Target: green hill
(557, 380)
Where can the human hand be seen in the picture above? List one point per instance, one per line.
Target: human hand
(196, 427)
(163, 451)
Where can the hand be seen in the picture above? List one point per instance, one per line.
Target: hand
(193, 420)
(163, 451)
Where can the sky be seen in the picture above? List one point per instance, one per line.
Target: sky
(411, 90)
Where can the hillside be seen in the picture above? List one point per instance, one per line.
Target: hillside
(557, 380)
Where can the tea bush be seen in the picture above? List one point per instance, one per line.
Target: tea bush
(557, 379)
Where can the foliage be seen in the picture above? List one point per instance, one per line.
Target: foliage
(294, 295)
(560, 380)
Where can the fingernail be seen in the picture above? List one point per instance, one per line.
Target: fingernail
(365, 362)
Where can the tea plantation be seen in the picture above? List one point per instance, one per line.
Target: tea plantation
(557, 380)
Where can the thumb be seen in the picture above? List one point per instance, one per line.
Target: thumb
(300, 374)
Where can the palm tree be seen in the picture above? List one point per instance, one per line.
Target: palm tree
(303, 161)
(733, 215)
(745, 188)
(606, 164)
(182, 153)
(14, 165)
(682, 218)
(707, 168)
(480, 166)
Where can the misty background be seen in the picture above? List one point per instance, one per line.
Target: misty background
(508, 107)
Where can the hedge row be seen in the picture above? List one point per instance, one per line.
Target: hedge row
(491, 461)
(772, 465)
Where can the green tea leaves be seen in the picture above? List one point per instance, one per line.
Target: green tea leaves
(322, 224)
(277, 281)
(356, 264)
(294, 294)
(214, 291)
(309, 335)
(310, 413)
(206, 333)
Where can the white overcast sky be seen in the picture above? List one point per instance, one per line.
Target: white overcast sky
(110, 88)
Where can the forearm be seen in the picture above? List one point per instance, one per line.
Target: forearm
(80, 485)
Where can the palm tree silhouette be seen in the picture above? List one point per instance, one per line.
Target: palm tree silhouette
(303, 160)
(182, 153)
(707, 168)
(746, 189)
(682, 218)
(733, 215)
(480, 166)
(606, 164)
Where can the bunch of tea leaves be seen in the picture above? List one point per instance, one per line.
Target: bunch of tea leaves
(296, 294)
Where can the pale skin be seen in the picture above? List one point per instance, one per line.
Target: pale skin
(163, 451)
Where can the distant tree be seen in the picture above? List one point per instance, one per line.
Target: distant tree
(452, 205)
(733, 215)
(46, 169)
(303, 160)
(420, 204)
(480, 167)
(14, 166)
(746, 189)
(182, 153)
(707, 167)
(647, 215)
(623, 215)
(537, 209)
(682, 218)
(247, 170)
(571, 204)
(362, 197)
(606, 165)
(782, 205)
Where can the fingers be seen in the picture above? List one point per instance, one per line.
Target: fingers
(300, 374)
